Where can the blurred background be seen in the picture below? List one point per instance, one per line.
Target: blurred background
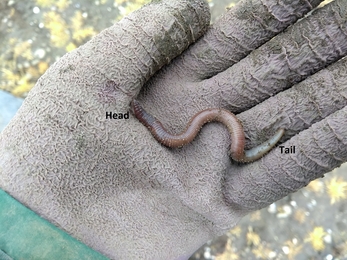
(309, 224)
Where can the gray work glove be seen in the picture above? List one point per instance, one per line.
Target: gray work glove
(110, 184)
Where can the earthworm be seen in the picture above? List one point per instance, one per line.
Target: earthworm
(223, 116)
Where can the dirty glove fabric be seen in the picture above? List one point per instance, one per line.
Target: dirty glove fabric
(107, 182)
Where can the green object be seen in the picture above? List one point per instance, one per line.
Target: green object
(4, 256)
(25, 235)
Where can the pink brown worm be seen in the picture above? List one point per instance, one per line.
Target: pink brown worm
(223, 116)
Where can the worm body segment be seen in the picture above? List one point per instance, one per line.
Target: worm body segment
(196, 122)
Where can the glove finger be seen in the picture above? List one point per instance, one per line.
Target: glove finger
(115, 64)
(318, 150)
(319, 101)
(237, 33)
(299, 107)
(305, 48)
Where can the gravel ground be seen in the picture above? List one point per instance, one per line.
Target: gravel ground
(309, 224)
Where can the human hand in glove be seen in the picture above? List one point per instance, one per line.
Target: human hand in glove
(71, 156)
